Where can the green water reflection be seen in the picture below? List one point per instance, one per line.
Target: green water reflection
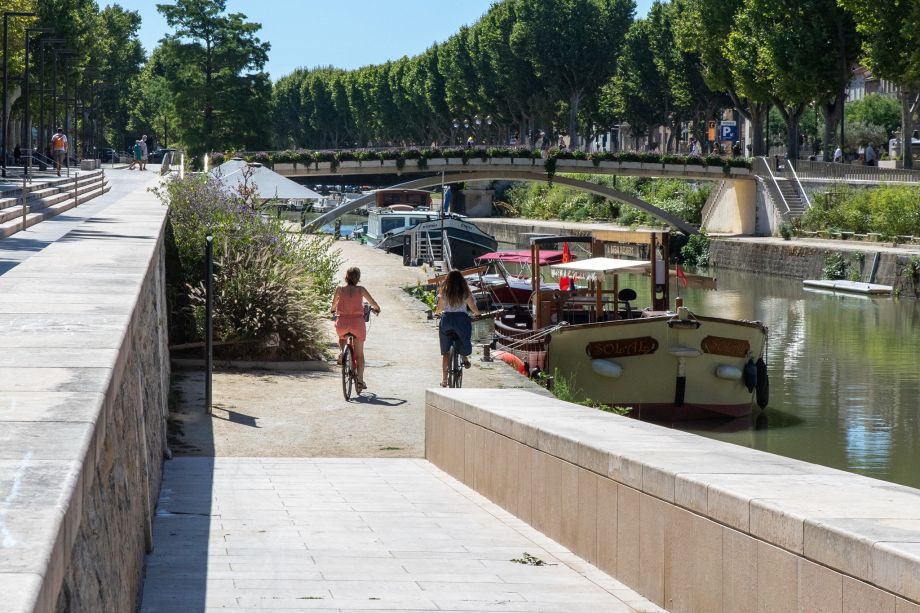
(844, 375)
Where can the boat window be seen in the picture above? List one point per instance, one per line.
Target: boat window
(388, 225)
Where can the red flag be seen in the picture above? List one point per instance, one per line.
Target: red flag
(566, 257)
(681, 277)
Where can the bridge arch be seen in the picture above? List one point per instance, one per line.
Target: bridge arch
(514, 175)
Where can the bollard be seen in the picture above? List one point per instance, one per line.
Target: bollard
(487, 352)
(208, 323)
(76, 188)
(25, 202)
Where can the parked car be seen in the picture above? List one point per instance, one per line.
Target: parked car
(156, 157)
(108, 156)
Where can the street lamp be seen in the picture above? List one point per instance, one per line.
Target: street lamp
(25, 89)
(43, 91)
(454, 125)
(6, 20)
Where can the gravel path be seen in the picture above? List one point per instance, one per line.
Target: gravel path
(303, 414)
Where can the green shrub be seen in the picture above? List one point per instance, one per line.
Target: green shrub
(835, 266)
(270, 286)
(696, 251)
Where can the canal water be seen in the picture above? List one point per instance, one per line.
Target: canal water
(844, 375)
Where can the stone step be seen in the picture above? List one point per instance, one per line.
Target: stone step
(39, 203)
(14, 197)
(13, 226)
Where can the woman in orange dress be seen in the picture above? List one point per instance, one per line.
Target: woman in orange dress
(348, 306)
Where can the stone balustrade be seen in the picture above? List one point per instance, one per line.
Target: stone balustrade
(691, 523)
(84, 378)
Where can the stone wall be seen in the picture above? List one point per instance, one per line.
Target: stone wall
(806, 261)
(692, 524)
(84, 380)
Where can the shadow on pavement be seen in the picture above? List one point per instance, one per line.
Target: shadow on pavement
(371, 398)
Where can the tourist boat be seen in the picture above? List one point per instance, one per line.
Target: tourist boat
(511, 288)
(663, 363)
(403, 223)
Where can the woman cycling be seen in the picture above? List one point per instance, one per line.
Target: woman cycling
(348, 306)
(453, 299)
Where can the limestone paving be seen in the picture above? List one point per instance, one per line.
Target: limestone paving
(293, 534)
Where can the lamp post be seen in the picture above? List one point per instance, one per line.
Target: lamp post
(27, 118)
(454, 123)
(64, 53)
(42, 91)
(6, 26)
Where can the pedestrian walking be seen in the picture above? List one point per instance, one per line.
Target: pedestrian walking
(871, 157)
(135, 155)
(59, 149)
(17, 155)
(838, 155)
(143, 143)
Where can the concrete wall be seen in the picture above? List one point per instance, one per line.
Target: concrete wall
(806, 261)
(692, 524)
(735, 210)
(84, 379)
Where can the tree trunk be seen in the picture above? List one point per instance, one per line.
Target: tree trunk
(907, 128)
(831, 120)
(574, 99)
(791, 117)
(757, 116)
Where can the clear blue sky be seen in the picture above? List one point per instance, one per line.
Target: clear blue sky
(342, 33)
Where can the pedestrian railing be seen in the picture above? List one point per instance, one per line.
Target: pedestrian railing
(798, 186)
(830, 171)
(763, 171)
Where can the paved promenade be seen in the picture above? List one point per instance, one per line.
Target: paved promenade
(290, 534)
(278, 514)
(21, 246)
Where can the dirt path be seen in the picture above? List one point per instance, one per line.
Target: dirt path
(303, 414)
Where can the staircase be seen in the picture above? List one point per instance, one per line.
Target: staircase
(429, 248)
(47, 199)
(791, 196)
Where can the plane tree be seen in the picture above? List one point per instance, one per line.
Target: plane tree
(890, 49)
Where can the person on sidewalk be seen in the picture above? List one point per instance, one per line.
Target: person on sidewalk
(143, 143)
(838, 155)
(348, 307)
(871, 157)
(453, 300)
(59, 149)
(135, 155)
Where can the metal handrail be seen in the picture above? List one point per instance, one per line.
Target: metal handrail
(772, 186)
(798, 184)
(823, 171)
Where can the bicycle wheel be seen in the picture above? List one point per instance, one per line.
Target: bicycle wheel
(455, 366)
(348, 374)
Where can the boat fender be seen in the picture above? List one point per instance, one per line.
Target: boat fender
(511, 360)
(606, 368)
(750, 375)
(726, 371)
(763, 384)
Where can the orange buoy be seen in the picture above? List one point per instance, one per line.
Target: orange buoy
(511, 360)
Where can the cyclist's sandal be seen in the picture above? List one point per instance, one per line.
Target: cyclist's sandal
(466, 363)
(361, 386)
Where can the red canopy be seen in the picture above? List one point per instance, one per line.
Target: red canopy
(522, 256)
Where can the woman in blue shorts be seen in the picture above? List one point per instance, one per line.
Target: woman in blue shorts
(454, 298)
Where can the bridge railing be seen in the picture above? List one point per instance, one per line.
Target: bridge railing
(831, 171)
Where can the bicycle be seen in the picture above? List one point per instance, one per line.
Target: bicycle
(455, 360)
(350, 360)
